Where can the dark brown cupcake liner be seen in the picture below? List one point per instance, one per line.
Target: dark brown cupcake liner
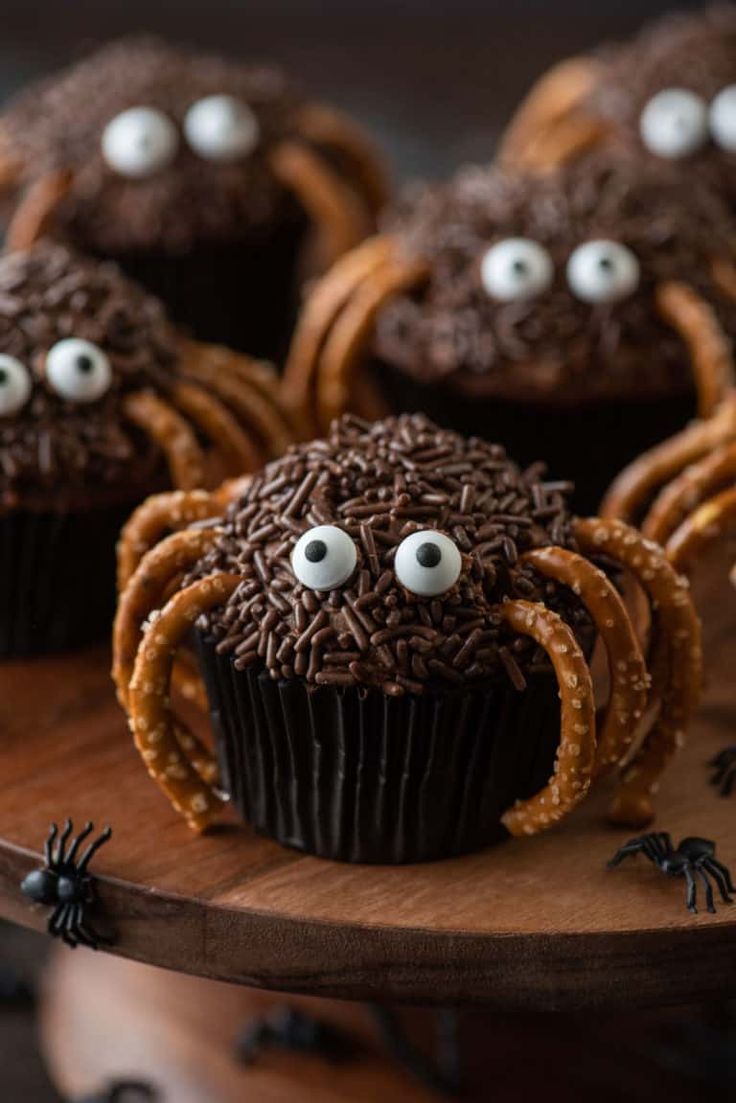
(57, 578)
(357, 776)
(589, 443)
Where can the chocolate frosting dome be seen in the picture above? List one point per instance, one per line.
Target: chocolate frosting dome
(59, 124)
(53, 444)
(552, 346)
(379, 484)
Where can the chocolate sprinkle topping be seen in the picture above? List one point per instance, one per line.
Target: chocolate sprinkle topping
(553, 347)
(380, 483)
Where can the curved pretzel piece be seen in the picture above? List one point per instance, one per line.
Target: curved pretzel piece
(710, 350)
(676, 663)
(549, 127)
(159, 514)
(172, 434)
(334, 209)
(574, 764)
(628, 675)
(351, 330)
(229, 376)
(214, 420)
(151, 721)
(686, 492)
(323, 305)
(35, 212)
(634, 486)
(324, 126)
(701, 529)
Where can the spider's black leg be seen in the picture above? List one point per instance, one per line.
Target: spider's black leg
(48, 851)
(664, 843)
(635, 846)
(63, 839)
(92, 848)
(710, 906)
(724, 871)
(78, 841)
(58, 919)
(719, 879)
(691, 892)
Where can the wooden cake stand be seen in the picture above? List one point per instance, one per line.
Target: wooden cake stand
(536, 924)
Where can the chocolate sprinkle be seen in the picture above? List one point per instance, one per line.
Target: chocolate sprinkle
(372, 631)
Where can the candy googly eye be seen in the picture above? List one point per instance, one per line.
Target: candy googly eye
(722, 118)
(602, 272)
(427, 563)
(140, 142)
(221, 128)
(324, 558)
(516, 268)
(78, 370)
(15, 385)
(674, 123)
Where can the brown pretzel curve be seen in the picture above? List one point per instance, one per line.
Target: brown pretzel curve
(171, 511)
(325, 126)
(687, 491)
(212, 418)
(676, 663)
(172, 434)
(35, 212)
(710, 350)
(701, 529)
(628, 674)
(151, 722)
(576, 753)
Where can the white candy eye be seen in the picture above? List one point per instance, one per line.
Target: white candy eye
(602, 272)
(674, 123)
(78, 370)
(516, 268)
(140, 142)
(221, 128)
(324, 558)
(15, 385)
(427, 563)
(722, 117)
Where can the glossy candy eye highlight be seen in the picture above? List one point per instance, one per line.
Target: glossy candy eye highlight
(674, 123)
(78, 370)
(428, 563)
(722, 118)
(602, 272)
(221, 128)
(324, 558)
(140, 142)
(15, 385)
(516, 268)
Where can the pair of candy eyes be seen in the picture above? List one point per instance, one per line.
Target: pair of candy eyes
(427, 563)
(143, 140)
(676, 122)
(518, 268)
(75, 369)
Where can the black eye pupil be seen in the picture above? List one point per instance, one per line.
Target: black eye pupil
(315, 551)
(428, 555)
(519, 267)
(3, 376)
(605, 264)
(85, 364)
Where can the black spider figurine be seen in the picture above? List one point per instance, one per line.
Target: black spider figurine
(65, 883)
(724, 771)
(293, 1030)
(692, 856)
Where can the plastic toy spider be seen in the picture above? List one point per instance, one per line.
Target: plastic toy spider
(693, 856)
(149, 630)
(65, 884)
(724, 771)
(290, 1029)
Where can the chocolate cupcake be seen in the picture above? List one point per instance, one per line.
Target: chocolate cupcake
(213, 183)
(101, 402)
(574, 315)
(393, 625)
(668, 95)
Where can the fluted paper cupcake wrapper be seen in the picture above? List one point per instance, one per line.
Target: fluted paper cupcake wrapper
(362, 777)
(57, 579)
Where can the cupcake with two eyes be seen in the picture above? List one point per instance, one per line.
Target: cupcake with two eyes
(575, 315)
(214, 183)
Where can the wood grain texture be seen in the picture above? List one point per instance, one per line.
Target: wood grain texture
(537, 923)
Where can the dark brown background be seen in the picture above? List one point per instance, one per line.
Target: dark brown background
(435, 80)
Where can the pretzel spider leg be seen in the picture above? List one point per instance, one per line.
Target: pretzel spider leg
(701, 529)
(324, 126)
(169, 430)
(151, 720)
(211, 417)
(710, 350)
(154, 518)
(35, 213)
(627, 671)
(576, 753)
(687, 491)
(677, 682)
